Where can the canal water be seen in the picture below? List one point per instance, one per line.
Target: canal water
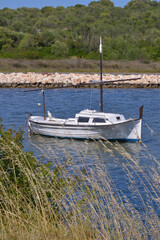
(16, 105)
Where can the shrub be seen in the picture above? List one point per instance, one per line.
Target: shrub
(60, 49)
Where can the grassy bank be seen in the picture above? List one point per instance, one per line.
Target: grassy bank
(70, 202)
(77, 65)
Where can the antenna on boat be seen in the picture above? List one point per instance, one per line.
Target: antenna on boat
(101, 85)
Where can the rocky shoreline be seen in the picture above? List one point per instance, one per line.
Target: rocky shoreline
(50, 80)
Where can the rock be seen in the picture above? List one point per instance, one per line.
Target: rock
(48, 79)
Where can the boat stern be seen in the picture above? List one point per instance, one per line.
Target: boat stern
(136, 132)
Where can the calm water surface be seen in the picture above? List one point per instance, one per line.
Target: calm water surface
(16, 105)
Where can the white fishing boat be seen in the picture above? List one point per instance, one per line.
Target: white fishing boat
(89, 124)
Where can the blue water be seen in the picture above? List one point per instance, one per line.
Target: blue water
(16, 105)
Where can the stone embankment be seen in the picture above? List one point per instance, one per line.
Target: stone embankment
(73, 79)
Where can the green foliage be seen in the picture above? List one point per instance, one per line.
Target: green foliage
(28, 41)
(60, 49)
(22, 176)
(76, 201)
(34, 198)
(128, 33)
(8, 38)
(139, 5)
(107, 3)
(46, 38)
(47, 10)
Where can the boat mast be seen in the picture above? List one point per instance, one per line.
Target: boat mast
(43, 104)
(101, 85)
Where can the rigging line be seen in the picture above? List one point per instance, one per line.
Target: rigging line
(152, 132)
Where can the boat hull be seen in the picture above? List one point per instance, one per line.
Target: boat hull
(129, 130)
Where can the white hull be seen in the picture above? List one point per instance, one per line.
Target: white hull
(127, 130)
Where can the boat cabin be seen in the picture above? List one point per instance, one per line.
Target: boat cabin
(93, 117)
(89, 117)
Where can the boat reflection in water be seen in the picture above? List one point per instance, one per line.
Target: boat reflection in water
(82, 151)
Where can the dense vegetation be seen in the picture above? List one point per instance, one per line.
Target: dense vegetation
(33, 199)
(130, 33)
(69, 201)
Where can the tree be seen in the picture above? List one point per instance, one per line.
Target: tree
(60, 49)
(8, 38)
(138, 5)
(28, 41)
(48, 10)
(107, 3)
(46, 38)
(18, 26)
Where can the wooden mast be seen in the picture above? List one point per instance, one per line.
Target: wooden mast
(43, 104)
(101, 85)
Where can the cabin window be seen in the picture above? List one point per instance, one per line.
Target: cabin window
(83, 119)
(99, 120)
(118, 118)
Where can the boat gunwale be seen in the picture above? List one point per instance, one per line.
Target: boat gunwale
(78, 125)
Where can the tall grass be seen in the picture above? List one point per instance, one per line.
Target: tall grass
(73, 198)
(77, 65)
